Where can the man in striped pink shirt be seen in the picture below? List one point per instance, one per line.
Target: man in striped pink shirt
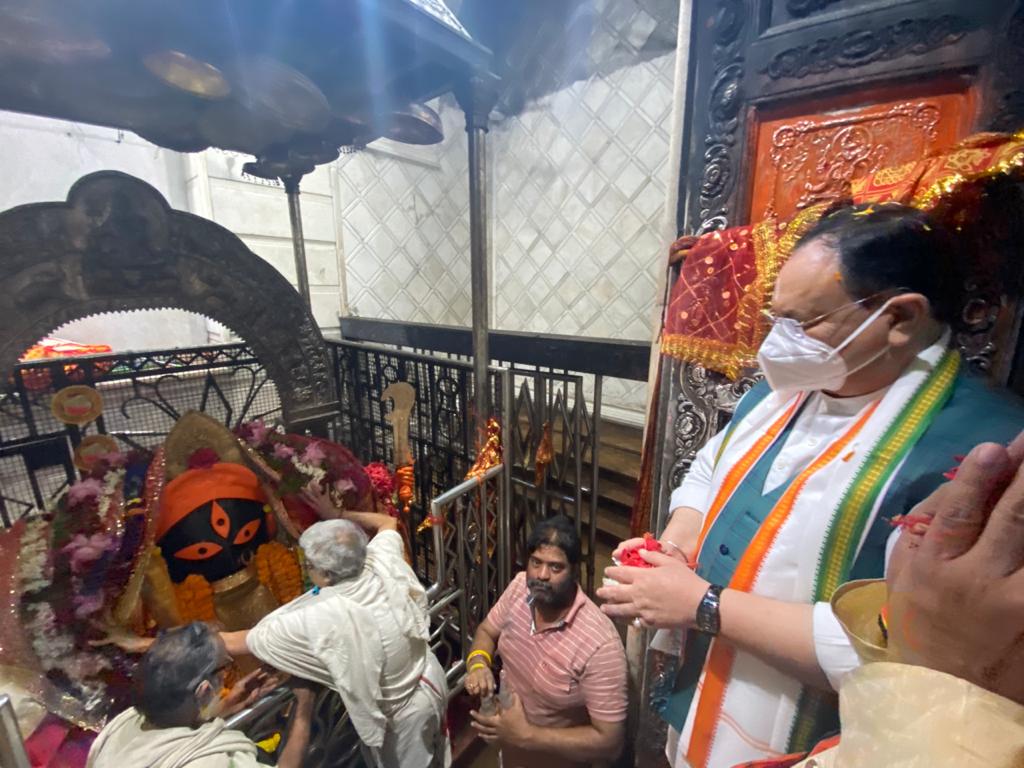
(564, 668)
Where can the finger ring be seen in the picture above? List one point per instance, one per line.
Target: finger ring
(637, 623)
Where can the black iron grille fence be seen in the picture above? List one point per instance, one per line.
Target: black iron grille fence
(552, 380)
(548, 380)
(143, 395)
(441, 430)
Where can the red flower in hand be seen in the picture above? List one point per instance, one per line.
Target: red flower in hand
(632, 556)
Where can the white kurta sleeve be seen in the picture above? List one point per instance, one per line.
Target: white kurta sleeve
(890, 545)
(696, 486)
(836, 656)
(387, 543)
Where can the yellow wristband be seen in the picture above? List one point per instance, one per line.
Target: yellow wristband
(478, 665)
(480, 652)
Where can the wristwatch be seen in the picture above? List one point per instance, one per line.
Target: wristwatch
(708, 618)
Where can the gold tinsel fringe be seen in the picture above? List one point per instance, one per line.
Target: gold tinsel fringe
(949, 185)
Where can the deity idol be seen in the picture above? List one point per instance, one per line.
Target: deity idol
(202, 529)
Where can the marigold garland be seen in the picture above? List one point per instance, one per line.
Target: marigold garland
(195, 599)
(406, 477)
(278, 569)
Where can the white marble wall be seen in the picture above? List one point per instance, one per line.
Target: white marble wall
(257, 211)
(580, 186)
(405, 228)
(579, 182)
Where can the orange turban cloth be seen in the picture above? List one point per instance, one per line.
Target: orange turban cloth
(195, 487)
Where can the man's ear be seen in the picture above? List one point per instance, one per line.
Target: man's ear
(911, 312)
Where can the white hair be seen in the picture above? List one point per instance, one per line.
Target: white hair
(336, 548)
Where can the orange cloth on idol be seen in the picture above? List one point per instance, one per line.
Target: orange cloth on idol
(713, 316)
(195, 487)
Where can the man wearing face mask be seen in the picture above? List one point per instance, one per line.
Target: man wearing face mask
(176, 721)
(864, 410)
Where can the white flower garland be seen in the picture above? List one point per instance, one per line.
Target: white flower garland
(314, 473)
(53, 647)
(33, 560)
(111, 481)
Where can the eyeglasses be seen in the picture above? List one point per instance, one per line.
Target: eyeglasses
(211, 671)
(805, 324)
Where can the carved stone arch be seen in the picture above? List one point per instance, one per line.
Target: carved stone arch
(117, 245)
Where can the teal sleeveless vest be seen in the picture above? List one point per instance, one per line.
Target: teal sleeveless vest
(732, 532)
(975, 413)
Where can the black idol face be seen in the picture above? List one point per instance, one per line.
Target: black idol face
(215, 540)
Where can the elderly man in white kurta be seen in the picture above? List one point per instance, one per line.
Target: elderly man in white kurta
(866, 411)
(363, 631)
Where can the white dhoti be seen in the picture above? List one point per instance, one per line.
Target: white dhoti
(416, 735)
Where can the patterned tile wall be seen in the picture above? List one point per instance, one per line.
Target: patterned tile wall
(578, 191)
(580, 185)
(405, 228)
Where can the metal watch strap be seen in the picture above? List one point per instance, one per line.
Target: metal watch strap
(708, 618)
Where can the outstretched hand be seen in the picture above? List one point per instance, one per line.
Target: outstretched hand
(122, 638)
(251, 689)
(320, 501)
(956, 587)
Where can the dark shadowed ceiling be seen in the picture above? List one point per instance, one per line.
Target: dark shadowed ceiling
(541, 46)
(288, 82)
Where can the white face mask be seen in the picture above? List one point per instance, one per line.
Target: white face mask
(792, 361)
(210, 703)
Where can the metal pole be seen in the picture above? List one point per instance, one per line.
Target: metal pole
(476, 101)
(595, 478)
(291, 187)
(478, 256)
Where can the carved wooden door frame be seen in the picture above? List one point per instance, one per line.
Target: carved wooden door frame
(748, 55)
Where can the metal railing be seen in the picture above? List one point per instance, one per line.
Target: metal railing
(556, 380)
(473, 566)
(12, 748)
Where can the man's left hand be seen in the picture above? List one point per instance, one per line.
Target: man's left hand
(509, 726)
(320, 501)
(251, 689)
(666, 595)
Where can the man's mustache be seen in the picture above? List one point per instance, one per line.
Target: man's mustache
(540, 585)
